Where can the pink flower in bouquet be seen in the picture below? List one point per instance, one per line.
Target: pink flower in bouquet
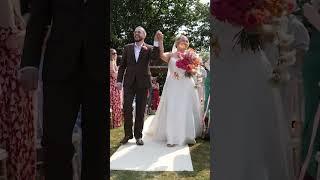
(188, 62)
(190, 67)
(232, 11)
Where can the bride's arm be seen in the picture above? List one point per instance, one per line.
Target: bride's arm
(165, 56)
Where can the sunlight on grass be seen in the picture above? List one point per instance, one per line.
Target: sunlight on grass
(200, 155)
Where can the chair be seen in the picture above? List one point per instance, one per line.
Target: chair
(3, 160)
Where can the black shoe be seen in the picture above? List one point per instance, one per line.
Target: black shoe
(171, 145)
(126, 139)
(139, 142)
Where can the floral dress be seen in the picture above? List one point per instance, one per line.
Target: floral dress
(155, 97)
(17, 126)
(115, 97)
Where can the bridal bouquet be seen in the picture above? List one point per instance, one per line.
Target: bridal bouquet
(189, 62)
(254, 16)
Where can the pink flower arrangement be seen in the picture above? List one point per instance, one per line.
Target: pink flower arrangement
(188, 62)
(248, 13)
(251, 15)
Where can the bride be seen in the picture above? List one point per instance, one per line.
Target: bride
(177, 120)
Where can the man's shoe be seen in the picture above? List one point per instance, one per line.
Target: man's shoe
(126, 139)
(139, 142)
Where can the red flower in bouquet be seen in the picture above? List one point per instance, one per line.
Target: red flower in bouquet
(188, 62)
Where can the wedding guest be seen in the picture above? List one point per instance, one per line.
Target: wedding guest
(207, 85)
(17, 129)
(119, 59)
(207, 82)
(311, 78)
(155, 94)
(292, 91)
(199, 79)
(115, 93)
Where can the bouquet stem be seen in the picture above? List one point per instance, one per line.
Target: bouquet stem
(248, 40)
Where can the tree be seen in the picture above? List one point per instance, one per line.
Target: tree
(169, 16)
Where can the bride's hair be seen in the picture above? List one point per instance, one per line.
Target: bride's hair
(179, 37)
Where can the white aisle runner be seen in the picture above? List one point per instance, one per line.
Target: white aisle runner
(152, 156)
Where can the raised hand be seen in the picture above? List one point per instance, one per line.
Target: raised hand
(158, 36)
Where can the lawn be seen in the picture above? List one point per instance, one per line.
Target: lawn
(200, 155)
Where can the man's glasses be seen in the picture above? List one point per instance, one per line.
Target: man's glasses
(114, 53)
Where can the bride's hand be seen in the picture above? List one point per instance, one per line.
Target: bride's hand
(159, 36)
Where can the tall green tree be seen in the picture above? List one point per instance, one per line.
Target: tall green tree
(168, 16)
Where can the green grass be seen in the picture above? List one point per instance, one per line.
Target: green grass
(200, 155)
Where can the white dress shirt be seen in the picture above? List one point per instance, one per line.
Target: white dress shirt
(137, 50)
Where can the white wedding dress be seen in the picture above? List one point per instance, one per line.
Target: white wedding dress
(249, 136)
(177, 120)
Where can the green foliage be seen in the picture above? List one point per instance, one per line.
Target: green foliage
(168, 16)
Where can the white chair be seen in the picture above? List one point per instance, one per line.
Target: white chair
(3, 160)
